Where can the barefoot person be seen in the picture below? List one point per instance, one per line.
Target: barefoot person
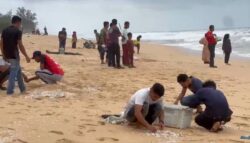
(103, 42)
(211, 45)
(145, 106)
(50, 72)
(191, 83)
(125, 58)
(11, 43)
(217, 110)
(114, 45)
(130, 46)
(62, 36)
(227, 48)
(137, 43)
(74, 40)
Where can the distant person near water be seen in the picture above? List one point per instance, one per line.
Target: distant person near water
(217, 111)
(205, 51)
(227, 48)
(114, 45)
(62, 36)
(125, 57)
(145, 106)
(103, 42)
(50, 72)
(137, 43)
(212, 41)
(11, 43)
(130, 50)
(74, 40)
(45, 31)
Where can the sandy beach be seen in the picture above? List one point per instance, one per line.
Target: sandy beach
(90, 89)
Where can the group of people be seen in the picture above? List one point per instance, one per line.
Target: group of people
(109, 47)
(10, 69)
(146, 105)
(210, 41)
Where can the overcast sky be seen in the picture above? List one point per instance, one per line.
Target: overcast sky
(144, 15)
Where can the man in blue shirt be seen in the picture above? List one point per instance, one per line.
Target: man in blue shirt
(217, 110)
(191, 83)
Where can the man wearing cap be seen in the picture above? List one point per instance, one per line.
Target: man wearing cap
(50, 72)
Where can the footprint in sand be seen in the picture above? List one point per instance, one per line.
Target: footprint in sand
(107, 138)
(20, 141)
(91, 130)
(78, 133)
(56, 132)
(65, 141)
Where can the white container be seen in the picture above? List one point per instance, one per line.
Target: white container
(178, 116)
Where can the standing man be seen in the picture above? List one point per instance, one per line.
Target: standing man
(125, 59)
(45, 31)
(62, 36)
(211, 45)
(114, 45)
(103, 42)
(11, 43)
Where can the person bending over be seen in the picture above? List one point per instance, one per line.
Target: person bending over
(50, 72)
(145, 106)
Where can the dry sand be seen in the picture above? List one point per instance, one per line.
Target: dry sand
(92, 89)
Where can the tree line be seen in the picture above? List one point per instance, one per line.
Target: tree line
(29, 19)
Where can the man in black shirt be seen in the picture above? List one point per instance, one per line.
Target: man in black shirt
(11, 43)
(62, 36)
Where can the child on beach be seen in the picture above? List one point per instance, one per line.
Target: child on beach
(130, 46)
(227, 48)
(74, 40)
(137, 43)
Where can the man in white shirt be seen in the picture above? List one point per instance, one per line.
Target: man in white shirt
(145, 106)
(125, 59)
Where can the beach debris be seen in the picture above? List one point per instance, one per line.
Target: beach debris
(115, 120)
(7, 135)
(165, 136)
(51, 94)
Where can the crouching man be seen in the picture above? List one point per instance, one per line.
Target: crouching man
(50, 72)
(217, 110)
(145, 106)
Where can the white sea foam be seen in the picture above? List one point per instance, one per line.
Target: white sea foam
(240, 39)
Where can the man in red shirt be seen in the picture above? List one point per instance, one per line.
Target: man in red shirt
(50, 72)
(211, 45)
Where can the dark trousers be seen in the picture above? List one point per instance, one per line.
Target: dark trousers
(212, 54)
(208, 122)
(190, 101)
(62, 44)
(227, 57)
(74, 45)
(115, 54)
(150, 112)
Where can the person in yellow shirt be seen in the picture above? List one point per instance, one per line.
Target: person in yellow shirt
(137, 43)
